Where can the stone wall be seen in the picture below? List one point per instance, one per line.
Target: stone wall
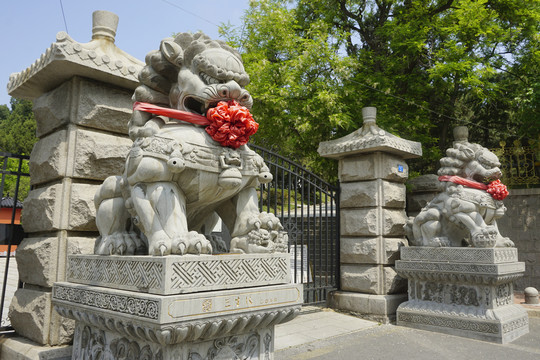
(522, 225)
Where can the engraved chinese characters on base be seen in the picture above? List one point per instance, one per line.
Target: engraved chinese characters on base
(463, 291)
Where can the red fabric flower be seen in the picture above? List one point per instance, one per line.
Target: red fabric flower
(231, 124)
(497, 190)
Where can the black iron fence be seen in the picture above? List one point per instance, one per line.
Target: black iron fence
(14, 187)
(308, 208)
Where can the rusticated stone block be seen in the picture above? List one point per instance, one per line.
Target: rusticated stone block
(366, 222)
(48, 158)
(359, 222)
(40, 212)
(367, 279)
(373, 166)
(50, 109)
(97, 105)
(43, 209)
(99, 155)
(366, 250)
(80, 245)
(82, 211)
(394, 220)
(30, 314)
(33, 261)
(103, 106)
(359, 194)
(359, 250)
(393, 195)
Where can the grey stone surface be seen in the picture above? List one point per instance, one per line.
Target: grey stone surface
(48, 159)
(368, 167)
(20, 348)
(179, 274)
(461, 297)
(30, 314)
(522, 225)
(44, 208)
(365, 250)
(380, 308)
(369, 279)
(354, 195)
(99, 155)
(34, 254)
(372, 222)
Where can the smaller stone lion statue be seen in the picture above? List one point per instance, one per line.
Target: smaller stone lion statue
(465, 212)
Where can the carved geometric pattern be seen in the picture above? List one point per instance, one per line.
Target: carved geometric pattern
(116, 271)
(122, 304)
(460, 255)
(226, 272)
(178, 274)
(446, 322)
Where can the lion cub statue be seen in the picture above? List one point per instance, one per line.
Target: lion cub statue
(465, 212)
(189, 165)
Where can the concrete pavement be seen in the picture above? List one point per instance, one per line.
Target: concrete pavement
(324, 334)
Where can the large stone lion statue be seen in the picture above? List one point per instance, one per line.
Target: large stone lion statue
(178, 180)
(465, 212)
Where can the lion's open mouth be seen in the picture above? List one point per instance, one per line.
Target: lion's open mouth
(198, 106)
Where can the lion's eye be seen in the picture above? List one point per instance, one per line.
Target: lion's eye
(207, 79)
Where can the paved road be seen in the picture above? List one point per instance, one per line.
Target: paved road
(374, 341)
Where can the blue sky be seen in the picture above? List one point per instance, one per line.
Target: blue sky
(29, 27)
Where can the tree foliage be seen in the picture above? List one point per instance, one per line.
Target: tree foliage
(427, 65)
(17, 127)
(17, 136)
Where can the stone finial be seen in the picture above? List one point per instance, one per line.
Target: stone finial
(461, 134)
(369, 114)
(104, 25)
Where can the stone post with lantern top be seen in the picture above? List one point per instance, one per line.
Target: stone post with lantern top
(372, 174)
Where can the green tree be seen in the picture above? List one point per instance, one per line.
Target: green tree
(18, 136)
(427, 65)
(17, 127)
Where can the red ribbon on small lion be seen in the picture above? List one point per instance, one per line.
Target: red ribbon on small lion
(495, 188)
(229, 123)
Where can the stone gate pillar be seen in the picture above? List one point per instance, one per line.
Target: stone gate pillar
(82, 105)
(372, 173)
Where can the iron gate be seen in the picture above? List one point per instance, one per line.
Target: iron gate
(308, 208)
(14, 185)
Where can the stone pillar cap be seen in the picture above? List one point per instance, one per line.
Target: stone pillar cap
(369, 138)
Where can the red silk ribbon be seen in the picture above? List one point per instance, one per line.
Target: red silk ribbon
(495, 188)
(229, 123)
(172, 113)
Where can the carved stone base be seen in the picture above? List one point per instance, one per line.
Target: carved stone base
(94, 343)
(463, 291)
(196, 322)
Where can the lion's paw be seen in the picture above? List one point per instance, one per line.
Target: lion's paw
(159, 244)
(119, 243)
(191, 243)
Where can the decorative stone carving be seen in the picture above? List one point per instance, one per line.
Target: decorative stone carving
(178, 181)
(465, 213)
(452, 292)
(179, 274)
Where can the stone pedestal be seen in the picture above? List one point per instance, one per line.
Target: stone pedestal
(372, 173)
(177, 307)
(463, 291)
(82, 105)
